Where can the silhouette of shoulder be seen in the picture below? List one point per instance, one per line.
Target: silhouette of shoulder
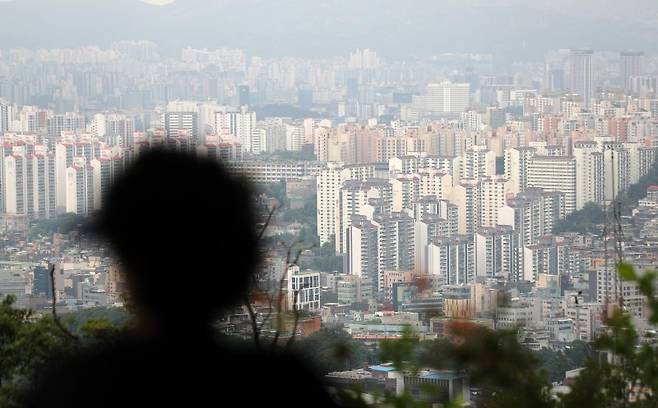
(162, 373)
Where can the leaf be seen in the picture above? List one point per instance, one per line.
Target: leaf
(626, 271)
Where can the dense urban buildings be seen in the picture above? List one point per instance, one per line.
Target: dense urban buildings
(420, 190)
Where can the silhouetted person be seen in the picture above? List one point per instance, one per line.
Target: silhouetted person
(184, 232)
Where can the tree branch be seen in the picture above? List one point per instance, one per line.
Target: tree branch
(53, 292)
(296, 324)
(254, 323)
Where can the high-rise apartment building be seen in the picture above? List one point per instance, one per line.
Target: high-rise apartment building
(362, 258)
(79, 187)
(630, 65)
(328, 185)
(466, 197)
(493, 194)
(555, 174)
(516, 167)
(182, 118)
(238, 124)
(395, 243)
(532, 213)
(4, 116)
(495, 251)
(453, 259)
(428, 227)
(447, 97)
(589, 173)
(580, 70)
(478, 162)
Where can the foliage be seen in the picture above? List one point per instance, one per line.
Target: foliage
(589, 219)
(28, 342)
(99, 324)
(556, 363)
(629, 198)
(401, 352)
(63, 224)
(325, 259)
(302, 155)
(627, 374)
(274, 190)
(286, 111)
(112, 315)
(332, 349)
(507, 374)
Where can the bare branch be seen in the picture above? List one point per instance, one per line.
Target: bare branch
(270, 311)
(53, 292)
(295, 310)
(256, 328)
(254, 323)
(267, 222)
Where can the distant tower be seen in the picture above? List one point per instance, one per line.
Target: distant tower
(4, 116)
(243, 95)
(630, 65)
(580, 68)
(305, 98)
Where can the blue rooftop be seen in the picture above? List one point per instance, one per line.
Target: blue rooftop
(382, 368)
(442, 375)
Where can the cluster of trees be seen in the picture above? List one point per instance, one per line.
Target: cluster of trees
(286, 111)
(28, 342)
(556, 363)
(333, 349)
(588, 220)
(592, 217)
(302, 155)
(629, 198)
(325, 259)
(63, 224)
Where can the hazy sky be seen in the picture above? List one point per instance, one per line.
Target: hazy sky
(517, 28)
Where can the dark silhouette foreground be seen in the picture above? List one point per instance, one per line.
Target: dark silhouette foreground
(185, 234)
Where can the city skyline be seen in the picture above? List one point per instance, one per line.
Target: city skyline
(298, 28)
(414, 168)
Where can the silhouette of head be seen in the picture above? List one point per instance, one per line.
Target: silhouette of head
(184, 232)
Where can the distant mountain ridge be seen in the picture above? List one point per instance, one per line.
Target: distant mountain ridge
(521, 29)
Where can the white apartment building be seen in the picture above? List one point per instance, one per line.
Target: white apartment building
(237, 123)
(494, 192)
(453, 259)
(478, 162)
(447, 97)
(428, 228)
(355, 199)
(532, 213)
(466, 197)
(181, 117)
(555, 174)
(27, 183)
(516, 167)
(79, 188)
(495, 251)
(589, 173)
(362, 254)
(303, 289)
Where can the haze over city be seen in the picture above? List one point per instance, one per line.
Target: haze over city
(512, 28)
(359, 203)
